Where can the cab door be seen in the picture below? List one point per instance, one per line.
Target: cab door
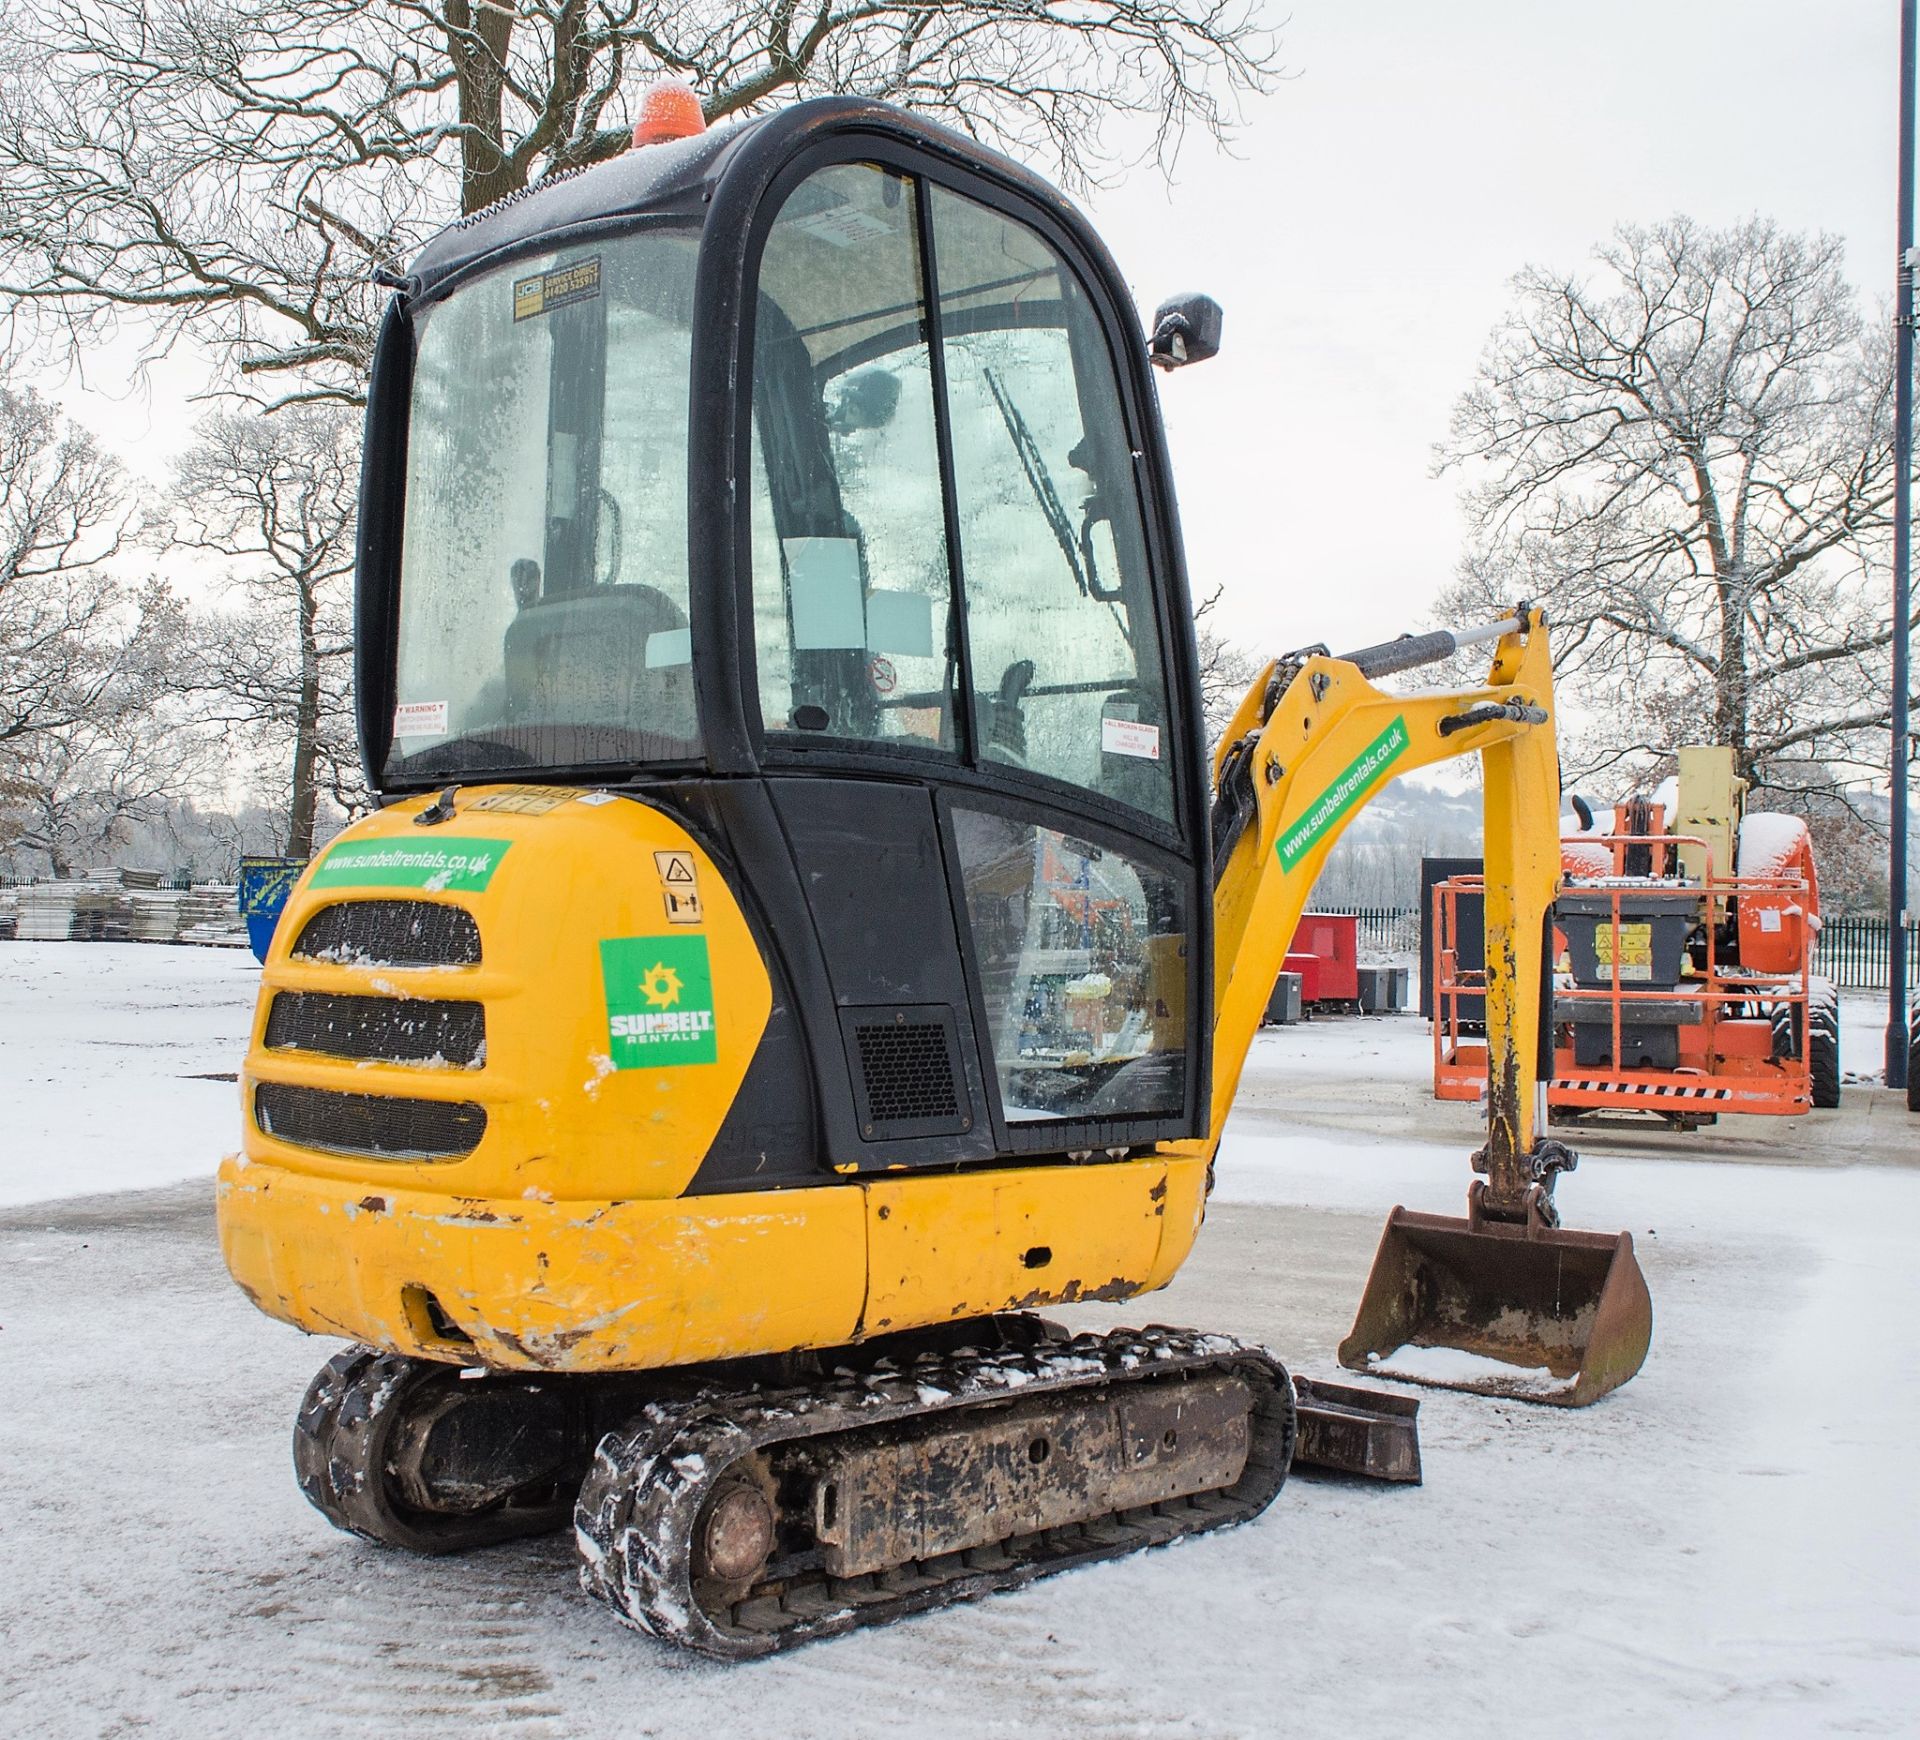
(961, 650)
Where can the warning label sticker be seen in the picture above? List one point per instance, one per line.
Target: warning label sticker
(1636, 952)
(420, 719)
(680, 884)
(1130, 737)
(659, 993)
(546, 291)
(527, 800)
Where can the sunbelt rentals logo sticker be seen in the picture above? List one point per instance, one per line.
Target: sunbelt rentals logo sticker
(659, 1001)
(1367, 770)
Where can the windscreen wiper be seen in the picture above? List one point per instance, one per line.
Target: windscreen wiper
(1034, 464)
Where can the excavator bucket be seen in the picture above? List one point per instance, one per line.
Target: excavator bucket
(1539, 1313)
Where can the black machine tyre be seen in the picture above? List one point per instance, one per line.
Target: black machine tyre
(1823, 1043)
(343, 1438)
(1786, 1031)
(656, 1483)
(1823, 1063)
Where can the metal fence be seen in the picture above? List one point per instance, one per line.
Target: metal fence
(1852, 952)
(1389, 929)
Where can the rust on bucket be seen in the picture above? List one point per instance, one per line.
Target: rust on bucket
(1512, 1308)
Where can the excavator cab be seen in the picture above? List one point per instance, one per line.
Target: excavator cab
(807, 478)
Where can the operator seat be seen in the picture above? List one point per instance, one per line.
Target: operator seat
(614, 657)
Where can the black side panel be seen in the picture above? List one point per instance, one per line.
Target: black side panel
(875, 882)
(1469, 946)
(769, 1136)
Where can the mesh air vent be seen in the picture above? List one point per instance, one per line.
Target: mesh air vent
(369, 1124)
(391, 933)
(907, 1072)
(394, 1030)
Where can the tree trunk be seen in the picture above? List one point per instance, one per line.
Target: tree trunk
(1731, 698)
(487, 172)
(306, 735)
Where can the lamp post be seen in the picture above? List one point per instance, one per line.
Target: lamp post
(1896, 1059)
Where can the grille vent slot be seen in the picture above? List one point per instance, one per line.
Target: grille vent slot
(372, 1125)
(391, 933)
(906, 1072)
(394, 1030)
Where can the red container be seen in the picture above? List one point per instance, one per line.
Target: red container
(1335, 938)
(1308, 967)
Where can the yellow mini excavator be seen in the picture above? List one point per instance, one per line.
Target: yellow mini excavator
(800, 935)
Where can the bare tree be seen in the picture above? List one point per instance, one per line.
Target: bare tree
(1226, 668)
(275, 496)
(241, 169)
(75, 792)
(79, 651)
(1686, 456)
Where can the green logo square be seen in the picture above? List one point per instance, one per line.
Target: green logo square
(659, 1001)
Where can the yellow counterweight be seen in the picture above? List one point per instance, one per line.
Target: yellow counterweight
(622, 994)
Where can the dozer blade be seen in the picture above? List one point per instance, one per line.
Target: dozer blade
(1539, 1313)
(1371, 1433)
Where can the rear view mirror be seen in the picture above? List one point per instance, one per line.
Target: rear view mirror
(1186, 329)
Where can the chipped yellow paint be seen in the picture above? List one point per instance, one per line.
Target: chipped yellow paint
(553, 1286)
(965, 1245)
(626, 1285)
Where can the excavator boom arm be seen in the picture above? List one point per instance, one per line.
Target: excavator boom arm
(1314, 741)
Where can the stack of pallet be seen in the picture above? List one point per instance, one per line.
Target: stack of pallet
(210, 917)
(56, 911)
(113, 905)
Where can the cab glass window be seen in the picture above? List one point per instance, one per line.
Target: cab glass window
(852, 601)
(1082, 959)
(543, 577)
(1059, 601)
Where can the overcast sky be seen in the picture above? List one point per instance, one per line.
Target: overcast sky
(1362, 236)
(1363, 240)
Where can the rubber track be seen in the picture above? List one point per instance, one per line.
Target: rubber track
(637, 1509)
(340, 1439)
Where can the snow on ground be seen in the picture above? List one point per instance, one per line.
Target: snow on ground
(1729, 1546)
(1863, 1035)
(105, 1049)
